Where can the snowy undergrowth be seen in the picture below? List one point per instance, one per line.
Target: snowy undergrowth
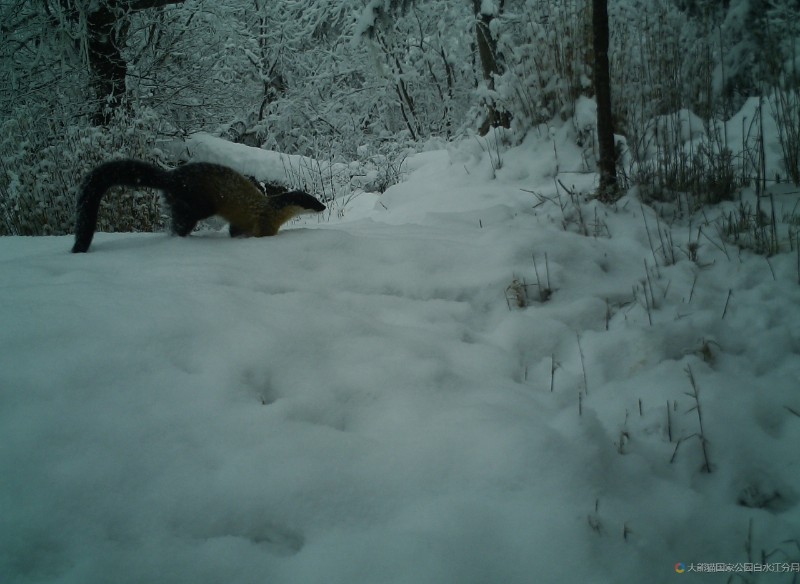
(358, 400)
(335, 183)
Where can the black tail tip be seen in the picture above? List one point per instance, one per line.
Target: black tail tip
(80, 247)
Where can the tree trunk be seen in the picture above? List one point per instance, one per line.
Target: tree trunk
(106, 64)
(487, 51)
(608, 189)
(107, 29)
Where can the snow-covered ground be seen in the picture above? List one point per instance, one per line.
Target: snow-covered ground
(394, 396)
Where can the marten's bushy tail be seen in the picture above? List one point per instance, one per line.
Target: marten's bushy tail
(130, 173)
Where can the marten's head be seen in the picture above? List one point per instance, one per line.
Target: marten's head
(285, 206)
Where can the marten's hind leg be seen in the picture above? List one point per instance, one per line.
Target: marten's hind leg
(184, 219)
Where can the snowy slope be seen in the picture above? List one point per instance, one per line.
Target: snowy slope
(373, 399)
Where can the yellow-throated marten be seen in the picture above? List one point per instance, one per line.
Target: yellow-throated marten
(194, 191)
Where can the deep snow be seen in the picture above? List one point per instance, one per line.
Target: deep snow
(362, 399)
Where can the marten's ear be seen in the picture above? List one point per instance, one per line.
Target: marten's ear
(256, 183)
(268, 188)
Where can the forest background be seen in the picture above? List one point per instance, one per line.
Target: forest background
(365, 83)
